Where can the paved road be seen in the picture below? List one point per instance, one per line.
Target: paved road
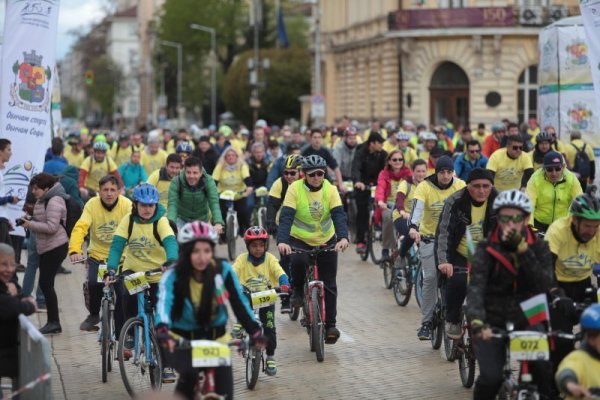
(378, 355)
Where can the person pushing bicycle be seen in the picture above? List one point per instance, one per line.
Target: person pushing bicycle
(313, 215)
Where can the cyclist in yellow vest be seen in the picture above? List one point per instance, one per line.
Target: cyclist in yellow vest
(162, 178)
(312, 215)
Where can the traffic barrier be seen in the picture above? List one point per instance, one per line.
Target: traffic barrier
(34, 361)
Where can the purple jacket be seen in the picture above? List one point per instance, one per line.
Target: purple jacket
(46, 222)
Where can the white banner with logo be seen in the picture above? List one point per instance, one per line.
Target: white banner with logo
(590, 11)
(28, 58)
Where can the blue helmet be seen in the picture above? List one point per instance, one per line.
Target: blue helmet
(145, 193)
(184, 148)
(590, 319)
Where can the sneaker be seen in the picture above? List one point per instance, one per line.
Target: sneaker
(424, 332)
(296, 299)
(168, 376)
(51, 328)
(89, 324)
(271, 369)
(332, 335)
(286, 307)
(361, 248)
(453, 331)
(63, 270)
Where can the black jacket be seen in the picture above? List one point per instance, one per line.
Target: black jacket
(494, 293)
(258, 172)
(367, 166)
(454, 219)
(209, 159)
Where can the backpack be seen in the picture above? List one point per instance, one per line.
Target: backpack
(154, 229)
(74, 212)
(582, 162)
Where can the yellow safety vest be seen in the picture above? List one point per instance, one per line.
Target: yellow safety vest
(307, 223)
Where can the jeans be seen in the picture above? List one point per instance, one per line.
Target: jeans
(429, 280)
(94, 288)
(49, 264)
(33, 262)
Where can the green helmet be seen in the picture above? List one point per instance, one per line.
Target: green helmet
(586, 206)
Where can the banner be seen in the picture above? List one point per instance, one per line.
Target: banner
(590, 11)
(28, 58)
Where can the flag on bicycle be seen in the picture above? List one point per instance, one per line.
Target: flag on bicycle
(536, 309)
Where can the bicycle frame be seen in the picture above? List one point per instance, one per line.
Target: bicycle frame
(144, 309)
(312, 281)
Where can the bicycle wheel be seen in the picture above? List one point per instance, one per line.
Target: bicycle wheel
(141, 372)
(374, 244)
(388, 269)
(294, 314)
(449, 347)
(262, 217)
(365, 254)
(253, 364)
(230, 233)
(106, 343)
(437, 327)
(352, 220)
(402, 287)
(466, 360)
(419, 286)
(317, 330)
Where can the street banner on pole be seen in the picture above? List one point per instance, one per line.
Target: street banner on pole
(590, 11)
(28, 58)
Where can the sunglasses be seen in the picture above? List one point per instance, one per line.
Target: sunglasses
(504, 219)
(290, 173)
(481, 186)
(517, 147)
(316, 173)
(396, 159)
(553, 169)
(474, 151)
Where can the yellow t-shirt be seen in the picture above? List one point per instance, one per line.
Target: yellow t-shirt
(74, 159)
(196, 293)
(97, 171)
(315, 199)
(424, 155)
(260, 277)
(162, 186)
(153, 162)
(394, 184)
(144, 252)
(410, 155)
(408, 200)
(388, 147)
(585, 367)
(120, 155)
(476, 228)
(238, 144)
(434, 199)
(101, 225)
(508, 172)
(275, 192)
(575, 260)
(231, 178)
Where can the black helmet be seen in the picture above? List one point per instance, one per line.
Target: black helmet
(313, 162)
(543, 136)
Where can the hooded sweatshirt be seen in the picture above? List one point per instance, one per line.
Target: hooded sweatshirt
(48, 219)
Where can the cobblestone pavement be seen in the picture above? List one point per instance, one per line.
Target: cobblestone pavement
(377, 357)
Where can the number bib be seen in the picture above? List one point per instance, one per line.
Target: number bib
(102, 270)
(209, 354)
(136, 283)
(264, 298)
(373, 188)
(529, 345)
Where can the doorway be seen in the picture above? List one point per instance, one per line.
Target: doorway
(449, 95)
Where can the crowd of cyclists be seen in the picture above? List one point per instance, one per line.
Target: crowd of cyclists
(497, 217)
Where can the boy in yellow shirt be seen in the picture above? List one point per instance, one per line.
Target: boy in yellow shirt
(259, 270)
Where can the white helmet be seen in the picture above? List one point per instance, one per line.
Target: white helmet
(197, 230)
(513, 198)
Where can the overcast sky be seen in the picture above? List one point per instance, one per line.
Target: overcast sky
(77, 15)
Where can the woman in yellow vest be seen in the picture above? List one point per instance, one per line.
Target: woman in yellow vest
(313, 215)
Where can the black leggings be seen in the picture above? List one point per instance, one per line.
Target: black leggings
(49, 264)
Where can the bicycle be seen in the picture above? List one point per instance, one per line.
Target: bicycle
(437, 321)
(350, 205)
(403, 278)
(231, 221)
(374, 243)
(313, 308)
(465, 353)
(106, 335)
(139, 339)
(260, 216)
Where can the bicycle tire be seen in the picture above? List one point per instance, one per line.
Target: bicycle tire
(437, 327)
(419, 286)
(374, 245)
(153, 373)
(294, 314)
(262, 217)
(317, 327)
(105, 350)
(466, 361)
(230, 234)
(449, 348)
(352, 220)
(402, 289)
(505, 392)
(387, 268)
(253, 364)
(364, 256)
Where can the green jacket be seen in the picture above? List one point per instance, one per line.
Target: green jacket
(192, 204)
(551, 201)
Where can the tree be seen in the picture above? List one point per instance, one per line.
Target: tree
(287, 79)
(107, 79)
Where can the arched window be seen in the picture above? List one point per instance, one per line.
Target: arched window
(527, 94)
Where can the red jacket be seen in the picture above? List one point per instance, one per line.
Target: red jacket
(490, 145)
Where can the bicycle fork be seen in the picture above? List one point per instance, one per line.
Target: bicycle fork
(321, 290)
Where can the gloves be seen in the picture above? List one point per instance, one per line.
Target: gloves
(284, 288)
(236, 331)
(477, 326)
(162, 335)
(258, 340)
(515, 241)
(564, 305)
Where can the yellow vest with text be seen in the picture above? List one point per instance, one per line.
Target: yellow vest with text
(306, 224)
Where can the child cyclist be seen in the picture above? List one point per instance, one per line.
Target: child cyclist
(259, 270)
(191, 303)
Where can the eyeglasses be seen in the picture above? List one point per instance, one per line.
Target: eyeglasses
(504, 219)
(474, 151)
(481, 186)
(517, 147)
(316, 173)
(553, 169)
(290, 173)
(396, 159)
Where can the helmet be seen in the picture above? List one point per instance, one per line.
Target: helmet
(145, 193)
(498, 126)
(513, 198)
(586, 206)
(351, 130)
(255, 233)
(124, 136)
(100, 146)
(261, 123)
(225, 130)
(184, 148)
(543, 136)
(429, 136)
(403, 136)
(293, 161)
(590, 318)
(197, 230)
(313, 162)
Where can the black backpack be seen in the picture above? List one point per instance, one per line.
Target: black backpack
(74, 211)
(582, 162)
(154, 229)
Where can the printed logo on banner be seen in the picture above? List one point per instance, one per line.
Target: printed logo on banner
(580, 116)
(30, 89)
(549, 112)
(548, 57)
(577, 53)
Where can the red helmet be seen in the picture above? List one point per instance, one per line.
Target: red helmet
(254, 233)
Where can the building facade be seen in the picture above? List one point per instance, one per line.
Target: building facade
(433, 61)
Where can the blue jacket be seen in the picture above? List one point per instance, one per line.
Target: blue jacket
(187, 322)
(463, 166)
(55, 165)
(276, 171)
(132, 174)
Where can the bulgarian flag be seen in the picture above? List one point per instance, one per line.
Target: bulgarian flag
(536, 309)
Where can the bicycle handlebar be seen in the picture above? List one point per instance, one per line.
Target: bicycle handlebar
(504, 334)
(186, 344)
(314, 251)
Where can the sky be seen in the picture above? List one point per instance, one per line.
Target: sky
(77, 15)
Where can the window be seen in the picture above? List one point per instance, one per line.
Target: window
(527, 94)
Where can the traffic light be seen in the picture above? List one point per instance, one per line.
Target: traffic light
(89, 77)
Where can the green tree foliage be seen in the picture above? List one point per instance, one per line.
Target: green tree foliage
(69, 107)
(107, 79)
(287, 79)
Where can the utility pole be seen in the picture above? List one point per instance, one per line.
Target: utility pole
(179, 76)
(213, 70)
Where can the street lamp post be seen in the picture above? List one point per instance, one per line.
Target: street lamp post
(213, 71)
(179, 71)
